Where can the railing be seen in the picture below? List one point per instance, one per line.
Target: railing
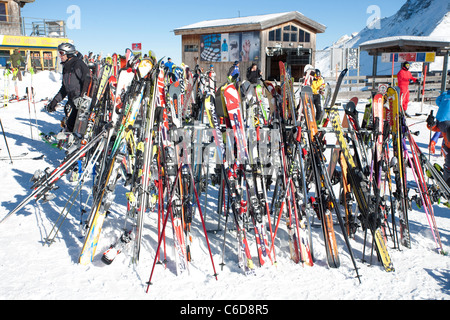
(361, 86)
(32, 27)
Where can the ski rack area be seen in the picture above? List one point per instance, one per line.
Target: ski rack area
(166, 135)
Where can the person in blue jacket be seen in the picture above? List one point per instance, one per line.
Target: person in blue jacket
(441, 123)
(169, 64)
(234, 73)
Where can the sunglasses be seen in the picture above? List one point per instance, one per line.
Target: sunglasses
(62, 53)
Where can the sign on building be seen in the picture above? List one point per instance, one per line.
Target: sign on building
(223, 47)
(409, 56)
(136, 47)
(352, 58)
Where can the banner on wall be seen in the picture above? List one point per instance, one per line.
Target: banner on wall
(225, 40)
(409, 56)
(226, 47)
(210, 47)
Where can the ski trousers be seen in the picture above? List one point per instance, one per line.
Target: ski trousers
(318, 106)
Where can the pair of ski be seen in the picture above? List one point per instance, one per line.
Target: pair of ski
(255, 184)
(234, 175)
(402, 133)
(139, 197)
(179, 181)
(353, 180)
(324, 190)
(360, 192)
(109, 176)
(315, 159)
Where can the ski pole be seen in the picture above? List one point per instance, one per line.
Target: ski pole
(169, 207)
(203, 221)
(423, 89)
(29, 112)
(6, 141)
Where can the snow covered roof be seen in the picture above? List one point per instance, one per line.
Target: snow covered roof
(390, 44)
(258, 22)
(22, 3)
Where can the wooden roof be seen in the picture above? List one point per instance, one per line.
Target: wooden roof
(407, 44)
(251, 23)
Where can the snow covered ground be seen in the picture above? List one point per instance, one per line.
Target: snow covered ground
(31, 270)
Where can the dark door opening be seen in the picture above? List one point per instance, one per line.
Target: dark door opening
(294, 59)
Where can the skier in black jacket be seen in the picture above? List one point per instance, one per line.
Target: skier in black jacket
(253, 73)
(75, 84)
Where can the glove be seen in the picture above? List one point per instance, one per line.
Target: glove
(433, 147)
(51, 107)
(82, 103)
(431, 121)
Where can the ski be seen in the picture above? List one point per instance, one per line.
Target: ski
(360, 191)
(23, 156)
(116, 248)
(44, 181)
(324, 206)
(399, 167)
(109, 177)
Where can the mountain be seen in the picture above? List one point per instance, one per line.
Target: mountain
(414, 18)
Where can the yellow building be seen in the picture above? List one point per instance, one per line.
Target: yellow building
(36, 39)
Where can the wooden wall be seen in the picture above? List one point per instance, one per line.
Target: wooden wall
(221, 68)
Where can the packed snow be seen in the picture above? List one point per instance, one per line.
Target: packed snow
(31, 270)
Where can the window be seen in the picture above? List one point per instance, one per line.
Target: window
(190, 48)
(290, 33)
(278, 35)
(293, 37)
(36, 60)
(48, 60)
(4, 57)
(3, 11)
(275, 35)
(304, 36)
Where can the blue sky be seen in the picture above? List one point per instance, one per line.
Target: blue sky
(112, 26)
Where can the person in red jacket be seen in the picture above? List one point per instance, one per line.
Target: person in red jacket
(404, 77)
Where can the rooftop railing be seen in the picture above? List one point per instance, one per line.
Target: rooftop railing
(32, 27)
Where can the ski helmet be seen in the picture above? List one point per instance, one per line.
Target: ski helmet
(406, 65)
(318, 73)
(67, 49)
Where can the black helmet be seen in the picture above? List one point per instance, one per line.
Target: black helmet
(406, 65)
(67, 48)
(318, 74)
